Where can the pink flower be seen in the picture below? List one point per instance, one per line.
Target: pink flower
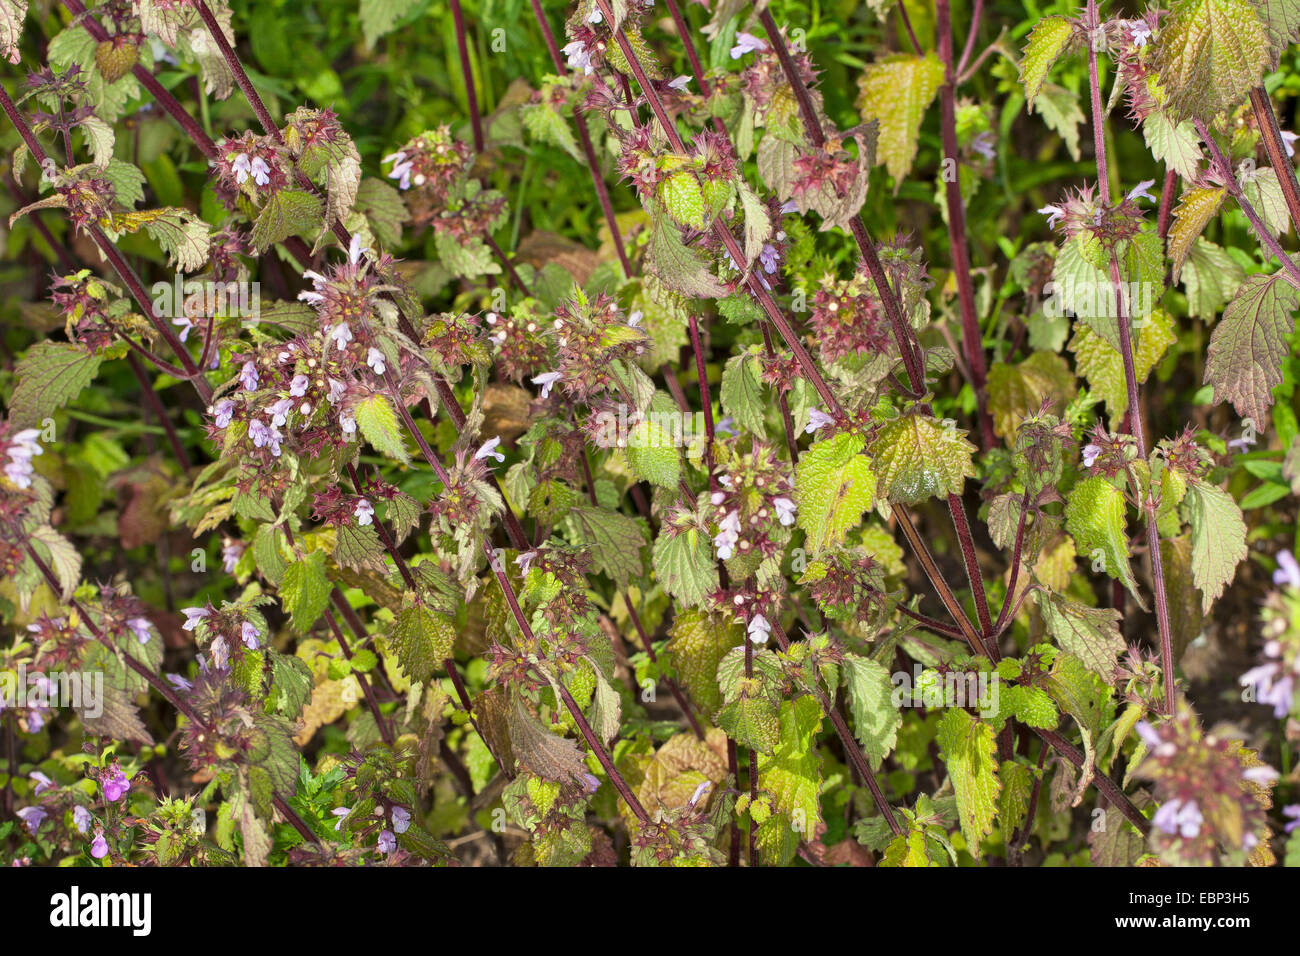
(115, 785)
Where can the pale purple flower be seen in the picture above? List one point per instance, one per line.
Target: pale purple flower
(348, 423)
(1288, 143)
(1140, 191)
(341, 334)
(183, 323)
(241, 165)
(817, 419)
(193, 615)
(1140, 32)
(220, 653)
(679, 83)
(179, 682)
(339, 812)
(985, 145)
(261, 172)
(525, 561)
(32, 818)
(387, 842)
(1053, 214)
(336, 392)
(747, 43)
(769, 258)
(700, 791)
(364, 512)
(1292, 811)
(115, 785)
(248, 376)
(23, 446)
(728, 534)
(488, 450)
(259, 432)
(784, 510)
(1262, 775)
(355, 249)
(547, 380)
(401, 819)
(579, 56)
(726, 426)
(1090, 455)
(1150, 736)
(788, 207)
(223, 411)
(43, 782)
(280, 411)
(590, 783)
(1273, 686)
(760, 629)
(231, 552)
(1288, 570)
(401, 170)
(375, 359)
(99, 846)
(249, 634)
(634, 318)
(298, 387)
(81, 818)
(140, 628)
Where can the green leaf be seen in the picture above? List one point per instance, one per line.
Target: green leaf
(1103, 368)
(61, 557)
(614, 540)
(678, 266)
(305, 590)
(422, 639)
(685, 566)
(896, 91)
(291, 684)
(1017, 391)
(378, 17)
(377, 420)
(289, 212)
(1218, 539)
(1094, 516)
(1249, 344)
(1195, 209)
(792, 774)
(50, 375)
(1061, 112)
(1050, 39)
(267, 555)
(875, 718)
(1089, 633)
(742, 393)
(652, 455)
(683, 199)
(834, 485)
(698, 641)
(1209, 53)
(752, 722)
(917, 457)
(1175, 144)
(968, 751)
(1210, 278)
(545, 123)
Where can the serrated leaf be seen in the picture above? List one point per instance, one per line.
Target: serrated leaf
(752, 722)
(1100, 364)
(896, 91)
(917, 457)
(968, 751)
(1050, 39)
(1218, 539)
(652, 455)
(697, 643)
(1061, 111)
(305, 590)
(288, 212)
(1175, 144)
(182, 235)
(1209, 53)
(614, 540)
(1094, 516)
(1193, 213)
(50, 375)
(678, 266)
(1261, 189)
(742, 393)
(1089, 633)
(685, 566)
(541, 752)
(60, 556)
(792, 773)
(834, 485)
(291, 684)
(422, 639)
(1210, 278)
(378, 17)
(1249, 344)
(875, 718)
(544, 122)
(1016, 391)
(683, 199)
(377, 419)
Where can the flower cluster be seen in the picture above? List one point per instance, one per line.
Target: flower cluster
(847, 319)
(754, 508)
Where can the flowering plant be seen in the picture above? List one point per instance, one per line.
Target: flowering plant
(649, 451)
